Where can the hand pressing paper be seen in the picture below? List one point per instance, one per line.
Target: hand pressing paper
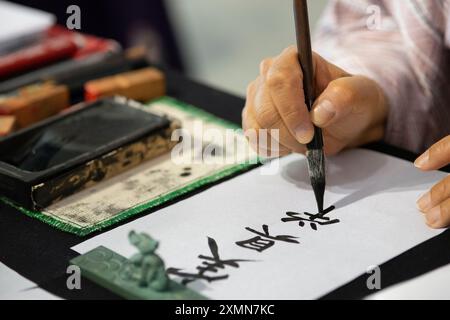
(258, 236)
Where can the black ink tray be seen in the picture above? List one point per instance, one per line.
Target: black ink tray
(67, 153)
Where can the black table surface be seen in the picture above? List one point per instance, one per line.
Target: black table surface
(41, 253)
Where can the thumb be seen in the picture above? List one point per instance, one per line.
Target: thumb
(344, 96)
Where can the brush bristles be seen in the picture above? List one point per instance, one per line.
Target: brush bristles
(316, 169)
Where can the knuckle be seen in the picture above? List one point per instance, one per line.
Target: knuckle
(276, 80)
(265, 64)
(290, 50)
(444, 187)
(292, 116)
(250, 88)
(342, 92)
(438, 190)
(445, 210)
(267, 118)
(283, 79)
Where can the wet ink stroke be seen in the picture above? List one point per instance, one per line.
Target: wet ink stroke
(313, 219)
(264, 240)
(211, 265)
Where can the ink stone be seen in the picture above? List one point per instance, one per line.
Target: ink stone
(142, 277)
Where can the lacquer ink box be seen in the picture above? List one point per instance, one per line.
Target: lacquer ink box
(67, 153)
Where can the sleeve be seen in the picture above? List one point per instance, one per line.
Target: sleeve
(362, 37)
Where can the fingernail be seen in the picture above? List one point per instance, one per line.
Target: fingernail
(422, 160)
(434, 216)
(324, 112)
(424, 202)
(304, 133)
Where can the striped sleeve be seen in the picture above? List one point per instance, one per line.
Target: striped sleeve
(372, 38)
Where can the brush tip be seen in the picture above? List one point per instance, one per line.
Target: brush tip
(316, 169)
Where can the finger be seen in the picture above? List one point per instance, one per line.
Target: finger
(268, 117)
(439, 216)
(284, 81)
(248, 121)
(269, 152)
(246, 124)
(279, 138)
(265, 66)
(260, 141)
(343, 97)
(437, 194)
(274, 130)
(252, 128)
(436, 157)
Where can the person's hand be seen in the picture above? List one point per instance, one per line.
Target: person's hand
(435, 204)
(352, 110)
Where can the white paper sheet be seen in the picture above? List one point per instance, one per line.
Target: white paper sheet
(375, 197)
(30, 294)
(15, 287)
(18, 22)
(12, 282)
(431, 286)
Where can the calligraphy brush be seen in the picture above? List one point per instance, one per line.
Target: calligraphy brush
(314, 154)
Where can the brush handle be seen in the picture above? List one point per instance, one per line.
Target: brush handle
(305, 58)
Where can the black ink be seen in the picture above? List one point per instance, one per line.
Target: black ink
(257, 243)
(191, 277)
(187, 172)
(264, 240)
(312, 219)
(211, 264)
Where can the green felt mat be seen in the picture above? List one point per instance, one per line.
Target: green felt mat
(64, 218)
